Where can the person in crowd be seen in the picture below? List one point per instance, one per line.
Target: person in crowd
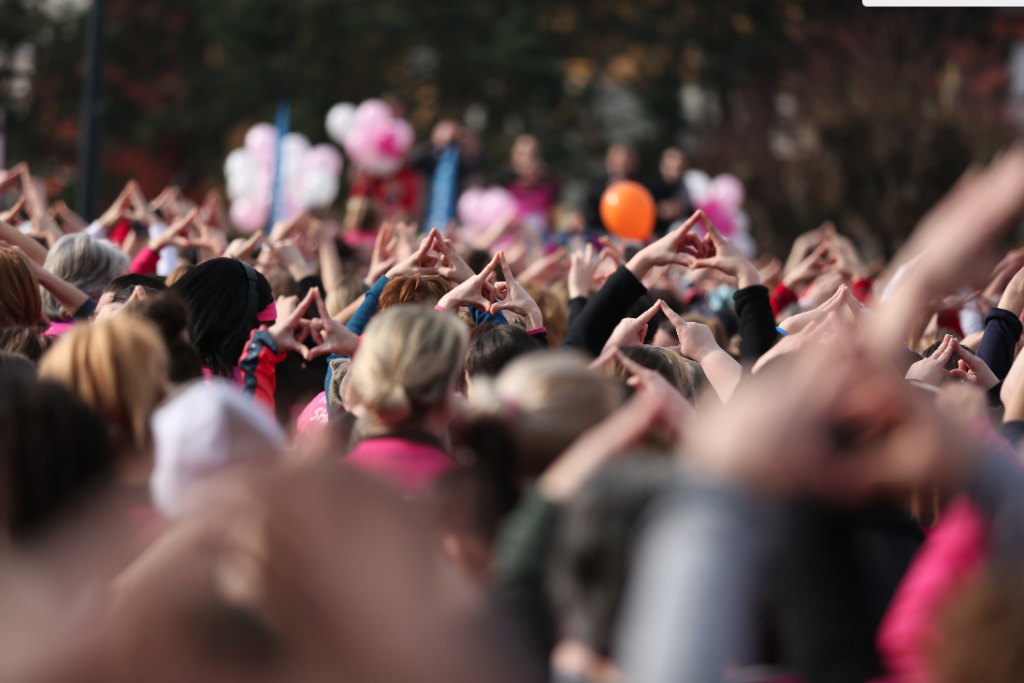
(533, 183)
(451, 160)
(669, 191)
(620, 163)
(119, 368)
(87, 263)
(798, 493)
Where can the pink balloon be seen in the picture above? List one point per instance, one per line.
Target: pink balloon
(401, 138)
(372, 110)
(479, 208)
(727, 189)
(469, 207)
(721, 215)
(261, 141)
(248, 216)
(324, 157)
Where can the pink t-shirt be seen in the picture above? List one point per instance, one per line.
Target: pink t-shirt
(409, 465)
(311, 420)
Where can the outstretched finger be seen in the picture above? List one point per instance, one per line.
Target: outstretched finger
(505, 269)
(945, 351)
(303, 306)
(709, 226)
(646, 316)
(673, 317)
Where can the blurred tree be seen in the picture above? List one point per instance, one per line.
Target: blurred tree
(824, 109)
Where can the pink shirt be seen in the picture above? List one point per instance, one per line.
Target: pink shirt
(409, 465)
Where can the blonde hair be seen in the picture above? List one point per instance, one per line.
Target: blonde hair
(554, 310)
(550, 399)
(118, 367)
(693, 384)
(408, 362)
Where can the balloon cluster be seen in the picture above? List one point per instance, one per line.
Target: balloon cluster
(721, 198)
(374, 138)
(310, 176)
(479, 208)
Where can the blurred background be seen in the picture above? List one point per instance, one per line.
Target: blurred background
(825, 109)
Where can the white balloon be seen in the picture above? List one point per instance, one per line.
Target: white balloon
(698, 185)
(241, 174)
(340, 119)
(319, 189)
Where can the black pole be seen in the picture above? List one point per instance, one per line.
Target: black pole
(91, 125)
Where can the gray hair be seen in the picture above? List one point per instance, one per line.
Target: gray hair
(84, 261)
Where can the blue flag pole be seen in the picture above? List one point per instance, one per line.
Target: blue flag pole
(283, 122)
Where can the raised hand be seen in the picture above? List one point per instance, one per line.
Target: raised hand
(630, 331)
(383, 257)
(672, 411)
(932, 370)
(680, 246)
(582, 266)
(696, 341)
(476, 291)
(972, 369)
(450, 264)
(513, 297)
(241, 249)
(9, 215)
(421, 262)
(291, 330)
(796, 323)
(282, 230)
(721, 254)
(175, 234)
(330, 336)
(116, 211)
(807, 268)
(547, 267)
(139, 208)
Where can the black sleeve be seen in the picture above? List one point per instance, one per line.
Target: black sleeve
(542, 339)
(757, 322)
(1013, 431)
(87, 308)
(1002, 332)
(576, 306)
(522, 553)
(598, 319)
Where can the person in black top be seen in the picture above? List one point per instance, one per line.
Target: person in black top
(620, 163)
(668, 190)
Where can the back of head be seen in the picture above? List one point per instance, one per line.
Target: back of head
(84, 261)
(167, 310)
(408, 362)
(650, 357)
(217, 294)
(121, 287)
(554, 310)
(20, 302)
(596, 532)
(25, 341)
(54, 452)
(15, 363)
(493, 350)
(206, 429)
(118, 367)
(552, 399)
(344, 293)
(413, 289)
(693, 383)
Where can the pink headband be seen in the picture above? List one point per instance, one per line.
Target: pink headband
(268, 314)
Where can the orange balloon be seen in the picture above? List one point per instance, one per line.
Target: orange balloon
(627, 210)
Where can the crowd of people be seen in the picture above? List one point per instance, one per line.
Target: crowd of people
(289, 456)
